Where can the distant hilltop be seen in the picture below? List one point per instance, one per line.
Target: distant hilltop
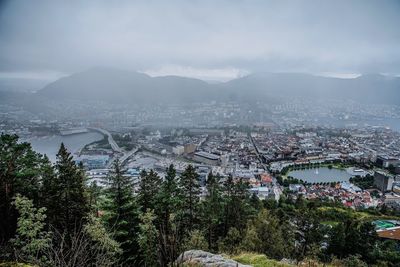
(120, 86)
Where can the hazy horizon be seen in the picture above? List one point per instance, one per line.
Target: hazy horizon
(208, 40)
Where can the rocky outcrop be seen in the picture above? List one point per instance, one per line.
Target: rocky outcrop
(206, 259)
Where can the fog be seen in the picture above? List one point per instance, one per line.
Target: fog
(210, 40)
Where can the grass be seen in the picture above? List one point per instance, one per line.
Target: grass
(257, 260)
(260, 260)
(331, 213)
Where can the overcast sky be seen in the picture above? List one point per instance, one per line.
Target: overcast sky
(215, 40)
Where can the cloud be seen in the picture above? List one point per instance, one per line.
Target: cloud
(210, 38)
(221, 74)
(37, 75)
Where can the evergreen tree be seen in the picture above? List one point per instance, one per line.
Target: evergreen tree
(237, 208)
(67, 200)
(308, 231)
(94, 192)
(149, 187)
(352, 237)
(230, 244)
(167, 207)
(21, 172)
(147, 239)
(212, 211)
(189, 184)
(121, 215)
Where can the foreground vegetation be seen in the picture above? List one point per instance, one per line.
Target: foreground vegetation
(52, 217)
(258, 260)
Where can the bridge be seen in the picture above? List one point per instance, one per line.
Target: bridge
(116, 148)
(114, 145)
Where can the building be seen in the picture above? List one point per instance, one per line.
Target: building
(350, 187)
(388, 229)
(392, 200)
(206, 158)
(297, 188)
(385, 161)
(189, 148)
(383, 181)
(392, 233)
(203, 172)
(178, 150)
(93, 161)
(261, 192)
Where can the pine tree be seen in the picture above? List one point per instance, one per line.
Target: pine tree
(21, 171)
(212, 211)
(121, 214)
(94, 192)
(189, 184)
(149, 187)
(167, 208)
(237, 208)
(68, 206)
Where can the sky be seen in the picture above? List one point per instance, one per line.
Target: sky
(206, 39)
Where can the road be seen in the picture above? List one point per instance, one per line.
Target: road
(111, 140)
(258, 154)
(116, 148)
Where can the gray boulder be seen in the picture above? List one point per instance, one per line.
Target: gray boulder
(207, 259)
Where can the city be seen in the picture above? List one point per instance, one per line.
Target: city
(200, 133)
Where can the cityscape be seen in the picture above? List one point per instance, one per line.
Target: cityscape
(200, 133)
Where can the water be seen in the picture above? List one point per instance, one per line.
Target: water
(319, 175)
(49, 145)
(392, 123)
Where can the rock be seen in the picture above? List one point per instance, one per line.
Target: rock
(207, 259)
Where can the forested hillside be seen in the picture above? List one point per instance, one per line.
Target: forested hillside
(52, 216)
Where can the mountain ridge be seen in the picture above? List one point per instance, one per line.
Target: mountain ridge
(113, 85)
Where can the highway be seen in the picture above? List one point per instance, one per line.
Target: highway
(126, 155)
(111, 140)
(116, 148)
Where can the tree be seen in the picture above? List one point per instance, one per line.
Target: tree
(147, 239)
(212, 211)
(21, 171)
(189, 184)
(264, 235)
(167, 209)
(353, 237)
(90, 245)
(308, 231)
(230, 244)
(94, 192)
(149, 187)
(31, 239)
(195, 240)
(103, 248)
(67, 201)
(237, 209)
(121, 214)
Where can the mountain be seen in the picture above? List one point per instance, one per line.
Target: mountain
(119, 86)
(112, 85)
(366, 88)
